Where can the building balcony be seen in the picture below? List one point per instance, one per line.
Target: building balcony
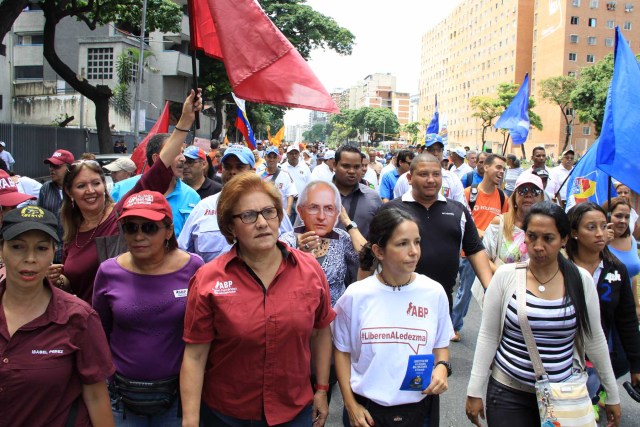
(174, 63)
(27, 55)
(29, 21)
(183, 34)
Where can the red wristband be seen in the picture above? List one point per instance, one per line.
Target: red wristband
(322, 387)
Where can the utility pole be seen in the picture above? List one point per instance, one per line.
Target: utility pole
(136, 99)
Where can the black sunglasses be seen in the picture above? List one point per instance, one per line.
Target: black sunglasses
(148, 228)
(523, 191)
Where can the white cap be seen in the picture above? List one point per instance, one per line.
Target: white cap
(292, 148)
(3, 144)
(329, 154)
(460, 152)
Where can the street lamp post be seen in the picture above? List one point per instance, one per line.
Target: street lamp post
(136, 99)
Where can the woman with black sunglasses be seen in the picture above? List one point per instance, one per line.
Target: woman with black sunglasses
(89, 216)
(141, 298)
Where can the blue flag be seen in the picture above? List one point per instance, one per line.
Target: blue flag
(619, 148)
(586, 182)
(516, 116)
(434, 125)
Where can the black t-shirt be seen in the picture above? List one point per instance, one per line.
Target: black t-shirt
(208, 188)
(445, 228)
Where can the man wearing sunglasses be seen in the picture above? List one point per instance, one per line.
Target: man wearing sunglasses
(485, 201)
(195, 167)
(201, 233)
(50, 197)
(180, 196)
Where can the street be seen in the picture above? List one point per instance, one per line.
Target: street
(452, 403)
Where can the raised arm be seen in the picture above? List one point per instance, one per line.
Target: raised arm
(173, 146)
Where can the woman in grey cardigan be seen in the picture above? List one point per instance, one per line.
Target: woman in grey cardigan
(563, 311)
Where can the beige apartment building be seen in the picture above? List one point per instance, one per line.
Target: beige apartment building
(483, 43)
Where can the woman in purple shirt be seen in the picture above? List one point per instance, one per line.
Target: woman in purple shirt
(141, 298)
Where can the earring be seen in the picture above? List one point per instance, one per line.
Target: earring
(575, 237)
(73, 204)
(166, 245)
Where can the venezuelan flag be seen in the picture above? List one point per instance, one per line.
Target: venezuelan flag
(242, 123)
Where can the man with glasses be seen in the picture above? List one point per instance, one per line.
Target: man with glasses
(180, 196)
(201, 233)
(195, 166)
(281, 179)
(50, 197)
(451, 187)
(389, 180)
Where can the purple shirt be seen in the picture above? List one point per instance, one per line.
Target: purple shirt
(143, 317)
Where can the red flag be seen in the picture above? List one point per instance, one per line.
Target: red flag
(139, 155)
(262, 65)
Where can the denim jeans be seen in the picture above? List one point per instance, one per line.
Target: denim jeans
(125, 418)
(463, 296)
(508, 407)
(211, 418)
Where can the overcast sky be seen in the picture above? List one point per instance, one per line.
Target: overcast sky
(388, 37)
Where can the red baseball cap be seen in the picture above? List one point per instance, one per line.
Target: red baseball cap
(147, 204)
(9, 194)
(60, 157)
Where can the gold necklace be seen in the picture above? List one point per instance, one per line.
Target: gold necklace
(94, 230)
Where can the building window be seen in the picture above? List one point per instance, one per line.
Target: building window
(575, 20)
(593, 22)
(592, 40)
(586, 130)
(611, 5)
(571, 73)
(591, 58)
(608, 42)
(575, 3)
(628, 7)
(31, 39)
(100, 63)
(593, 4)
(573, 38)
(627, 25)
(610, 24)
(572, 56)
(29, 71)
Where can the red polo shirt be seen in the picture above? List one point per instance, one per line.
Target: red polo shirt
(259, 362)
(45, 363)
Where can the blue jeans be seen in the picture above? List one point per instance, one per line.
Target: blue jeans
(124, 418)
(463, 296)
(211, 418)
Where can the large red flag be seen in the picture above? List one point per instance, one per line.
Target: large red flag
(139, 155)
(262, 65)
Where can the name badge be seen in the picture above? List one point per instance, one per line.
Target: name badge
(418, 376)
(180, 293)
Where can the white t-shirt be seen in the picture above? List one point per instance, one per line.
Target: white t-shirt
(322, 173)
(462, 171)
(283, 183)
(372, 178)
(381, 328)
(451, 187)
(557, 177)
(301, 174)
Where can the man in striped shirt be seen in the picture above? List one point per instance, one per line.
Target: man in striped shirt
(50, 197)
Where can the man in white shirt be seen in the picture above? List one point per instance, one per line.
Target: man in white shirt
(558, 177)
(299, 172)
(460, 168)
(280, 179)
(6, 156)
(325, 171)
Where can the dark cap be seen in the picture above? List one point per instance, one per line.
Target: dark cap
(28, 218)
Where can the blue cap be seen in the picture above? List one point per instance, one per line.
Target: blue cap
(433, 138)
(273, 150)
(242, 153)
(194, 153)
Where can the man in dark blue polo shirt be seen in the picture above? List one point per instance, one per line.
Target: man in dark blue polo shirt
(446, 226)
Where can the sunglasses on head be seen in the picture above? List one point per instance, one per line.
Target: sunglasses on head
(78, 163)
(148, 228)
(523, 191)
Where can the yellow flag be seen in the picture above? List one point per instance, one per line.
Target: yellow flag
(269, 133)
(226, 140)
(277, 139)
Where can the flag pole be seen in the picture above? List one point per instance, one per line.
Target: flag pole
(609, 199)
(194, 65)
(504, 149)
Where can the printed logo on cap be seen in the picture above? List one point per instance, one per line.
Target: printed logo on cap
(32, 212)
(139, 199)
(57, 154)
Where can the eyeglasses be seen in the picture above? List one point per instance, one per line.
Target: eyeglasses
(523, 191)
(433, 149)
(148, 228)
(315, 209)
(189, 161)
(249, 217)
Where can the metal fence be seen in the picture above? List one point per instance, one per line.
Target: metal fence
(31, 144)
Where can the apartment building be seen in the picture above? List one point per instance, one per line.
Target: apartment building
(32, 93)
(483, 43)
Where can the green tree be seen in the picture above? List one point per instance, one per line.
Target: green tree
(557, 90)
(413, 129)
(163, 15)
(380, 123)
(342, 127)
(304, 27)
(9, 11)
(317, 133)
(126, 64)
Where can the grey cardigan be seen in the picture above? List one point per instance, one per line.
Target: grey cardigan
(500, 291)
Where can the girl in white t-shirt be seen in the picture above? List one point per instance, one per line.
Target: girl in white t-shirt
(383, 320)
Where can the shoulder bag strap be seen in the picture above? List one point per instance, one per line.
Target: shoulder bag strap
(521, 298)
(500, 237)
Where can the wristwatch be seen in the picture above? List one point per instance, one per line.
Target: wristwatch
(351, 225)
(446, 364)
